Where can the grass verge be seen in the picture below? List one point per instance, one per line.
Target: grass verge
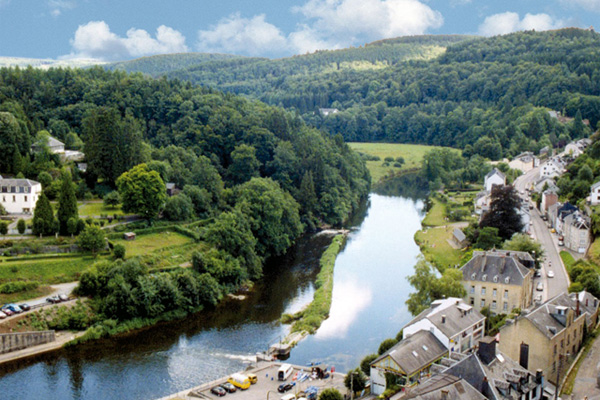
(567, 259)
(435, 248)
(144, 244)
(310, 318)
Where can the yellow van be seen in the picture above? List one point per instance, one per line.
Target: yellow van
(240, 381)
(252, 378)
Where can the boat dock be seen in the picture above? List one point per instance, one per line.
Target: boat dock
(266, 387)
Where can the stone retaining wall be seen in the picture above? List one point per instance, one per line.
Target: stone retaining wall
(17, 341)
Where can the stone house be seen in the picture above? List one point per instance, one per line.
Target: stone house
(497, 280)
(459, 238)
(576, 232)
(549, 198)
(444, 386)
(548, 337)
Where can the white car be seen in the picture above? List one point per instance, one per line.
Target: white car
(2, 315)
(540, 287)
(550, 274)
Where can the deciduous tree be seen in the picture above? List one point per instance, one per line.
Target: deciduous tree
(142, 191)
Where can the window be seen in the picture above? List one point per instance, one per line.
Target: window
(554, 349)
(472, 289)
(506, 294)
(562, 343)
(483, 291)
(25, 198)
(494, 305)
(505, 306)
(554, 366)
(482, 303)
(14, 199)
(472, 301)
(494, 292)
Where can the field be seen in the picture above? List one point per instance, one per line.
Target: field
(48, 271)
(412, 154)
(145, 244)
(95, 209)
(434, 246)
(436, 214)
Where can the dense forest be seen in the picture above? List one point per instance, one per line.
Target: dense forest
(489, 96)
(228, 154)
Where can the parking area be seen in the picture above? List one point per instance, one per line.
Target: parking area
(266, 386)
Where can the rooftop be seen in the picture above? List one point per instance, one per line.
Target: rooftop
(495, 267)
(453, 387)
(17, 182)
(495, 171)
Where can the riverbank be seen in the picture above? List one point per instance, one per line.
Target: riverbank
(309, 319)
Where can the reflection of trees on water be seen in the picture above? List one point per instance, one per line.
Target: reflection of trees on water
(412, 186)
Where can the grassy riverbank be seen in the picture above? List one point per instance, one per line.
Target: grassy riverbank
(310, 318)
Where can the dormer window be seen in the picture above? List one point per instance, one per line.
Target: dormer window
(484, 277)
(495, 278)
(507, 280)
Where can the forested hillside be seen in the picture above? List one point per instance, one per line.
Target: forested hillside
(159, 65)
(489, 96)
(192, 136)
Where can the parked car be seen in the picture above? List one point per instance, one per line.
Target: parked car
(25, 307)
(550, 274)
(539, 287)
(538, 298)
(228, 387)
(63, 297)
(218, 390)
(7, 311)
(537, 273)
(3, 315)
(53, 299)
(284, 387)
(14, 308)
(252, 378)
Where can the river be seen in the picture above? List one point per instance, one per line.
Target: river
(370, 289)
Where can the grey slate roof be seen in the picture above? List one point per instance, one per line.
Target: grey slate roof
(495, 171)
(596, 185)
(578, 220)
(495, 267)
(546, 317)
(459, 235)
(17, 182)
(416, 352)
(459, 316)
(454, 387)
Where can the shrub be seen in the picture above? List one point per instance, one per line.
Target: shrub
(119, 251)
(21, 226)
(18, 286)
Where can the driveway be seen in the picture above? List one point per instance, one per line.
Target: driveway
(63, 288)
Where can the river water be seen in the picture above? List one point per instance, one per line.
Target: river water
(370, 289)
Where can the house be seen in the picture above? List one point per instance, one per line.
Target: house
(18, 196)
(482, 202)
(457, 325)
(545, 151)
(496, 375)
(54, 145)
(494, 177)
(573, 150)
(72, 155)
(544, 183)
(497, 280)
(82, 167)
(459, 238)
(549, 337)
(525, 218)
(552, 169)
(328, 111)
(444, 386)
(129, 236)
(172, 189)
(595, 194)
(524, 162)
(409, 361)
(549, 198)
(576, 232)
(557, 212)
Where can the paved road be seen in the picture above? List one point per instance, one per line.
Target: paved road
(63, 288)
(552, 262)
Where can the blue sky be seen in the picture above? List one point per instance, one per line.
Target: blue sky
(121, 29)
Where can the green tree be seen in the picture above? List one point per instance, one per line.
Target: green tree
(91, 239)
(43, 217)
(67, 204)
(244, 164)
(179, 208)
(330, 394)
(142, 191)
(21, 226)
(73, 226)
(522, 242)
(365, 364)
(503, 213)
(487, 238)
(112, 199)
(45, 179)
(355, 380)
(200, 198)
(3, 227)
(119, 251)
(386, 345)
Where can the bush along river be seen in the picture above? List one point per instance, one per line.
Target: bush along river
(369, 292)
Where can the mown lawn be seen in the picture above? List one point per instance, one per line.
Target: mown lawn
(46, 271)
(96, 209)
(434, 246)
(412, 153)
(435, 216)
(567, 259)
(145, 244)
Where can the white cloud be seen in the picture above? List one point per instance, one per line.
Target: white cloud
(503, 23)
(350, 20)
(57, 6)
(95, 40)
(236, 34)
(329, 24)
(593, 5)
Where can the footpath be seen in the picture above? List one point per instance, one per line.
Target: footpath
(61, 339)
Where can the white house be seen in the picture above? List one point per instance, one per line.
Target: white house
(55, 146)
(18, 196)
(576, 230)
(457, 325)
(595, 194)
(494, 177)
(573, 149)
(552, 169)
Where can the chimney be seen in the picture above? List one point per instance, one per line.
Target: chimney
(444, 395)
(487, 349)
(538, 376)
(524, 355)
(443, 318)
